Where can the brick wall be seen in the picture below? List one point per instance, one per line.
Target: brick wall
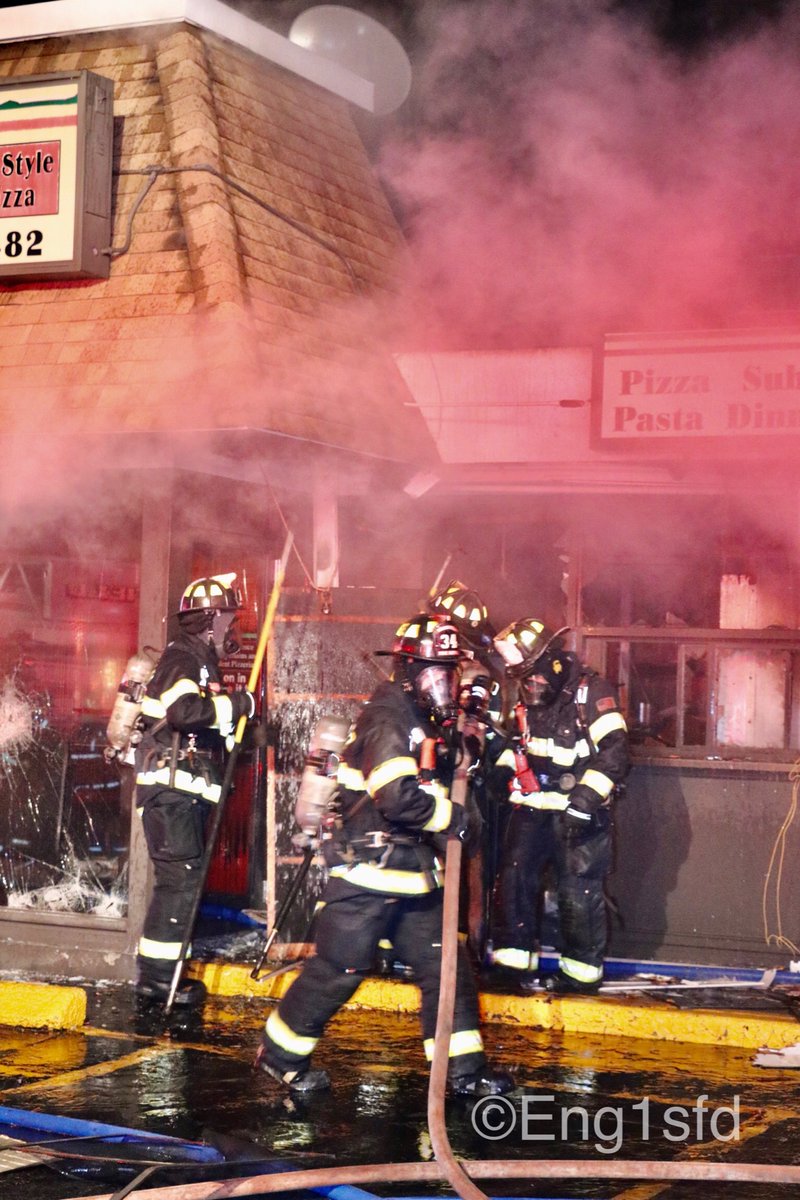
(220, 314)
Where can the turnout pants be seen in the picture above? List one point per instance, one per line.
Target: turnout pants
(349, 927)
(581, 860)
(173, 829)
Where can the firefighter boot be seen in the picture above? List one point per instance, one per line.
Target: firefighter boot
(486, 1081)
(300, 1082)
(564, 985)
(153, 988)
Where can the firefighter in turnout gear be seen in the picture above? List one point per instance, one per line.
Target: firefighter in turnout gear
(185, 713)
(482, 694)
(566, 756)
(383, 842)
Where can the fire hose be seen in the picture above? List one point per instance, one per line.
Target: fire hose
(437, 1127)
(432, 1172)
(447, 1168)
(230, 767)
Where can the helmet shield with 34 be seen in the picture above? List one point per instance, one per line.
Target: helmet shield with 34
(427, 654)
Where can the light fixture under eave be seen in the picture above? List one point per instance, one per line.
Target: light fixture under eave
(353, 40)
(420, 483)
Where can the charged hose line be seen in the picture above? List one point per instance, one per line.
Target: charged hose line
(453, 1171)
(155, 171)
(432, 1172)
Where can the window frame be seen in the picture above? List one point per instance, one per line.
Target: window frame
(592, 644)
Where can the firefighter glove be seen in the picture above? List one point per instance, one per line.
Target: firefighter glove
(467, 825)
(578, 813)
(243, 704)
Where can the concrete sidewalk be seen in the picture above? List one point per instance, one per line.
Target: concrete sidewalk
(57, 1006)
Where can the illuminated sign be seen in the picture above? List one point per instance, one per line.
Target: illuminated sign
(727, 384)
(56, 138)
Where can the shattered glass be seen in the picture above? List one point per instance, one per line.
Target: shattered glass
(64, 819)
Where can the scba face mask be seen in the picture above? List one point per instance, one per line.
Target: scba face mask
(543, 688)
(436, 692)
(221, 633)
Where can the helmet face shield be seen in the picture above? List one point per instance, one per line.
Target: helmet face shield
(436, 692)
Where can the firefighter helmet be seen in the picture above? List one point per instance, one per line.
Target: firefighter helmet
(208, 609)
(213, 591)
(533, 654)
(464, 608)
(522, 644)
(426, 639)
(427, 653)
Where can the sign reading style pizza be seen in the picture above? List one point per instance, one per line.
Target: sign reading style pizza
(56, 139)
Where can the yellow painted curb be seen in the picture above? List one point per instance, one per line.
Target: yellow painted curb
(41, 1005)
(626, 1017)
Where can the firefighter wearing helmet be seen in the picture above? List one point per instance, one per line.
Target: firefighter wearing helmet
(483, 693)
(567, 754)
(185, 715)
(383, 846)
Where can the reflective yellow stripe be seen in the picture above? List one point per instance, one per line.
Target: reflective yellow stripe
(223, 708)
(388, 772)
(349, 778)
(540, 747)
(606, 724)
(149, 948)
(506, 759)
(280, 1033)
(583, 972)
(564, 756)
(440, 818)
(549, 801)
(385, 944)
(598, 782)
(466, 1041)
(383, 879)
(153, 708)
(184, 782)
(515, 960)
(184, 687)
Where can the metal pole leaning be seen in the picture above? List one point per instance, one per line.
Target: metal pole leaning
(230, 767)
(288, 901)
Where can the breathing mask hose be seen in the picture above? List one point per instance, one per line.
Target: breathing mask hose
(230, 767)
(453, 1171)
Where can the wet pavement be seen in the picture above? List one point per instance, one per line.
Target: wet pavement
(577, 1096)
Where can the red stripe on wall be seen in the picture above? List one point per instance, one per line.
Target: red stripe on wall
(38, 123)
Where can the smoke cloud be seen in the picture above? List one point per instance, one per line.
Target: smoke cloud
(563, 173)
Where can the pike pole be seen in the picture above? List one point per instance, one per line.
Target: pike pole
(230, 767)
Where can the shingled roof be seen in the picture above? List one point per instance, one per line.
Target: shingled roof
(260, 254)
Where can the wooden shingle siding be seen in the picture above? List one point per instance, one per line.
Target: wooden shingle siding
(219, 309)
